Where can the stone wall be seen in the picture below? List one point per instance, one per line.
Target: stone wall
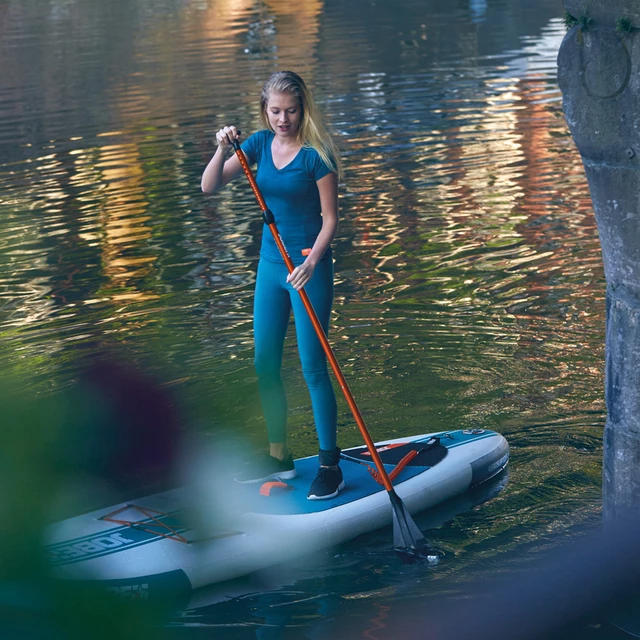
(599, 74)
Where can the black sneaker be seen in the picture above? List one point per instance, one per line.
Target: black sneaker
(266, 467)
(328, 484)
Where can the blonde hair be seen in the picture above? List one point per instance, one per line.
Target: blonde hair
(311, 132)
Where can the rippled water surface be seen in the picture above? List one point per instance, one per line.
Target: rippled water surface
(470, 290)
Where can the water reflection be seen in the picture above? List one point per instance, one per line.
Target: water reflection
(124, 219)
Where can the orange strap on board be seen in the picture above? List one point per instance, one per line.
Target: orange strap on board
(156, 522)
(399, 467)
(265, 489)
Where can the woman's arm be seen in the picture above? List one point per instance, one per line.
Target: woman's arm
(219, 171)
(328, 189)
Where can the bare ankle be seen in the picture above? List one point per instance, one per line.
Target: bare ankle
(278, 450)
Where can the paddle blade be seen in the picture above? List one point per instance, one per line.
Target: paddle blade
(408, 541)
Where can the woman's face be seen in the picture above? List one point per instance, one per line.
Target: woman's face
(284, 114)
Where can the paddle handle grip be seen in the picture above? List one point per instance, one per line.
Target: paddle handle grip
(322, 336)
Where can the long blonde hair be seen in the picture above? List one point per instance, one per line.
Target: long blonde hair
(311, 131)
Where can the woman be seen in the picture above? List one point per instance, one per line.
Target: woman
(297, 174)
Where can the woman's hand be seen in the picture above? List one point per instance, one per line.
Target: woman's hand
(226, 135)
(219, 171)
(299, 277)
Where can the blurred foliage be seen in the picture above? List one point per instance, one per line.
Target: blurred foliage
(34, 475)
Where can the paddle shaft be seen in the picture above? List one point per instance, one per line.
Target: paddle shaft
(322, 336)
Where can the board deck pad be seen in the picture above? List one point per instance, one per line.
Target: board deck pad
(358, 481)
(358, 484)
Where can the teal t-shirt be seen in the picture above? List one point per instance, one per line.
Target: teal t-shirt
(292, 195)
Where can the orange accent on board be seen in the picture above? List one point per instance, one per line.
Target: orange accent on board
(160, 529)
(399, 467)
(265, 489)
(305, 252)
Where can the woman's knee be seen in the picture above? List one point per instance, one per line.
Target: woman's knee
(316, 378)
(267, 365)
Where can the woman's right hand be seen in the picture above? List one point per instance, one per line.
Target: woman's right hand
(226, 135)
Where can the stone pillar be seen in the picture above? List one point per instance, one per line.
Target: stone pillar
(599, 74)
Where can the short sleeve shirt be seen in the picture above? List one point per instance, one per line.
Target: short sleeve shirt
(292, 195)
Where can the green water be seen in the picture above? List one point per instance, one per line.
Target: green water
(469, 284)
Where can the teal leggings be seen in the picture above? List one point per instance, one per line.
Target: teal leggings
(274, 300)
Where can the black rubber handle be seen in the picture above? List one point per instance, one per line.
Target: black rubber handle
(234, 143)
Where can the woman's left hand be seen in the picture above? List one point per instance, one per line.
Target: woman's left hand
(301, 275)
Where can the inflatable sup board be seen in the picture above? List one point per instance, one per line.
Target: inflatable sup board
(150, 547)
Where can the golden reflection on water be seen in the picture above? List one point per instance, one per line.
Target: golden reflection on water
(122, 222)
(271, 33)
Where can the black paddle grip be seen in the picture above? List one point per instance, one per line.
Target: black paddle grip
(234, 142)
(268, 216)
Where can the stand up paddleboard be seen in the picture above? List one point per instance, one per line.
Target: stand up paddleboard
(146, 548)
